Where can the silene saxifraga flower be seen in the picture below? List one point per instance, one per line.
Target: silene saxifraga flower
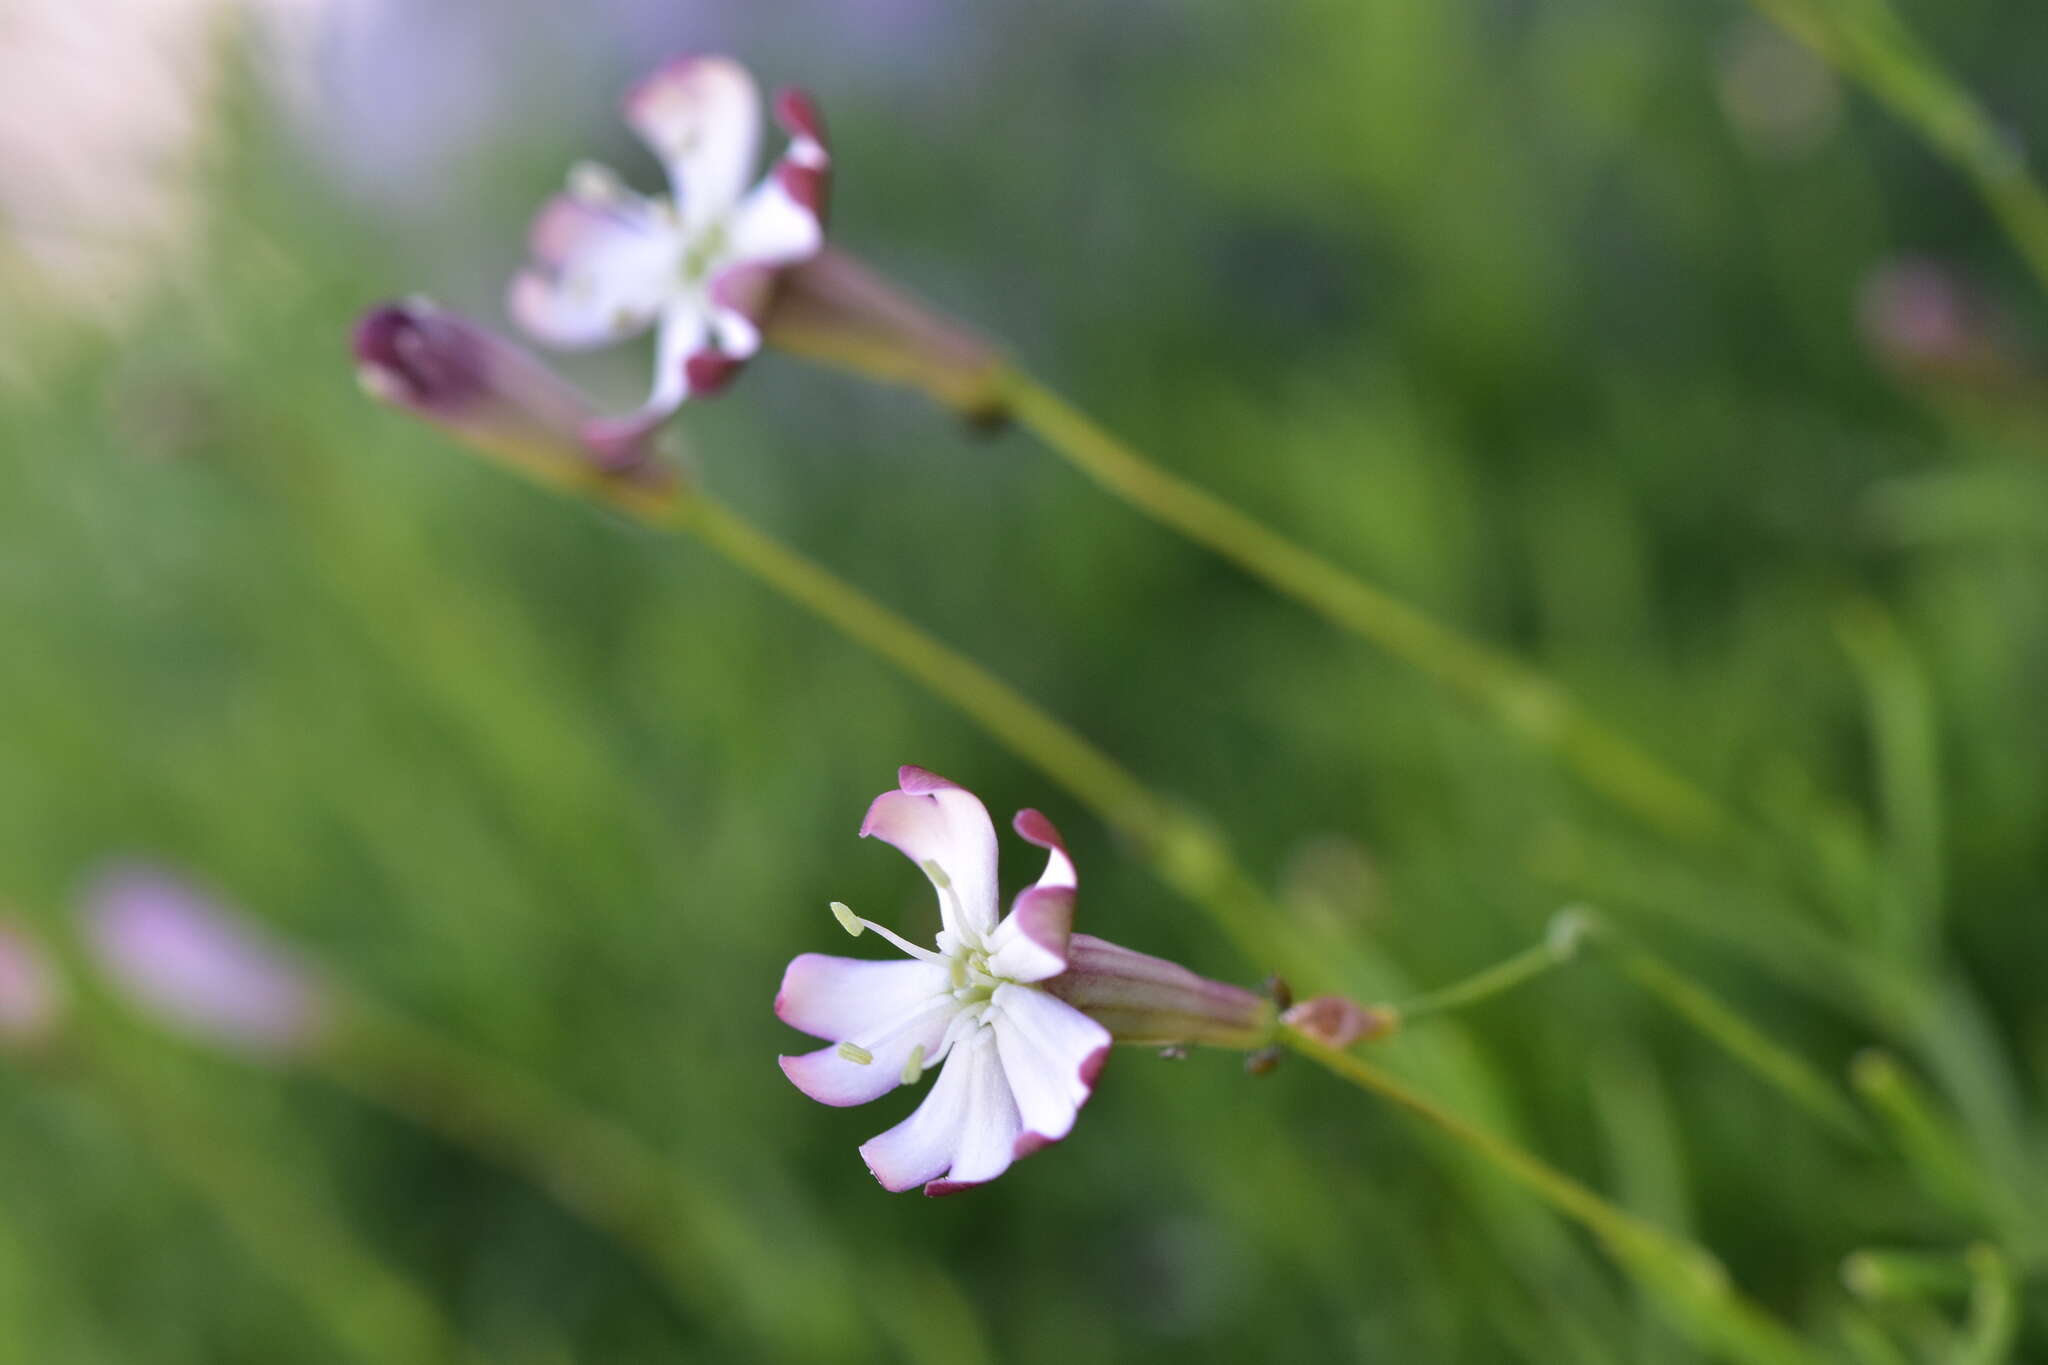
(1017, 1012)
(198, 967)
(699, 266)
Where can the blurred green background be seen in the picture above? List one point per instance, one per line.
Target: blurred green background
(1544, 315)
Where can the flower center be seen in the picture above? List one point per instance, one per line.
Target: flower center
(973, 982)
(700, 254)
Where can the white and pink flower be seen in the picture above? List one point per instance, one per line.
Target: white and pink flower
(1018, 1062)
(699, 265)
(1020, 1009)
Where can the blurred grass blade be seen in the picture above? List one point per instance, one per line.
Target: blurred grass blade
(1867, 40)
(1884, 1275)
(1991, 1332)
(1901, 710)
(702, 1246)
(1866, 1342)
(1780, 1069)
(1933, 1150)
(1687, 1279)
(1526, 703)
(288, 1231)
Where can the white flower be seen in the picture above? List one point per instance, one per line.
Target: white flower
(699, 265)
(1018, 1061)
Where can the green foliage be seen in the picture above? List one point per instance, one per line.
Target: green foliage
(1488, 302)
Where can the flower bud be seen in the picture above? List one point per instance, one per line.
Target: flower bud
(493, 396)
(198, 968)
(1144, 999)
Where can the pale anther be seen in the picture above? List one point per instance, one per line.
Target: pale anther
(855, 1053)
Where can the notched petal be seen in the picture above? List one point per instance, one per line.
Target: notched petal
(1059, 867)
(702, 116)
(1031, 942)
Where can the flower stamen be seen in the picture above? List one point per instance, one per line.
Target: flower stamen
(855, 925)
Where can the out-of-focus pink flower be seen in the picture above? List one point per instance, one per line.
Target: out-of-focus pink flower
(490, 394)
(698, 266)
(30, 1000)
(197, 966)
(1925, 323)
(1021, 1009)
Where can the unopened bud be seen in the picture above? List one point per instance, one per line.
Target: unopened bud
(1144, 999)
(494, 396)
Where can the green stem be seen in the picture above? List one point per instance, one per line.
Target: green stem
(1868, 41)
(1186, 852)
(1520, 698)
(1524, 966)
(1992, 1329)
(1925, 1137)
(1688, 1279)
(373, 1311)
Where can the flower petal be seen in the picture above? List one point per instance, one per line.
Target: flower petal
(702, 117)
(842, 998)
(1051, 1055)
(606, 270)
(1031, 942)
(991, 1124)
(782, 219)
(966, 1129)
(677, 343)
(1059, 868)
(934, 821)
(888, 1008)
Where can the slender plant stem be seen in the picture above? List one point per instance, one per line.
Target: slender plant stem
(1520, 698)
(1524, 966)
(1868, 41)
(376, 1313)
(1186, 852)
(1687, 1278)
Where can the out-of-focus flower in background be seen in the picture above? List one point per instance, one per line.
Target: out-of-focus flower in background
(198, 967)
(103, 133)
(1783, 101)
(1927, 324)
(699, 265)
(30, 999)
